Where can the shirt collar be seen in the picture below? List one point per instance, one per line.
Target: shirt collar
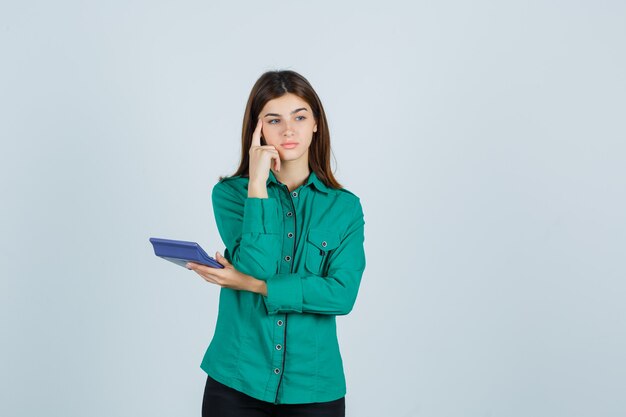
(311, 180)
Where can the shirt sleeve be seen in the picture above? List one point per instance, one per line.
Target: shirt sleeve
(332, 294)
(250, 229)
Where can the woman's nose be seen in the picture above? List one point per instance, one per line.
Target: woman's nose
(288, 130)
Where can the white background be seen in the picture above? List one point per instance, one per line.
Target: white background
(487, 142)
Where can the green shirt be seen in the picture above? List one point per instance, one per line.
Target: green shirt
(307, 245)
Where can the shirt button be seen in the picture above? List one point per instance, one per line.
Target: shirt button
(287, 258)
(289, 214)
(279, 322)
(295, 194)
(289, 234)
(278, 347)
(276, 371)
(324, 243)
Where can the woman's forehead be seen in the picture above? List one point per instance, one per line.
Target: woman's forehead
(285, 104)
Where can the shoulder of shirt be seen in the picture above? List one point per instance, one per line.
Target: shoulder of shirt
(233, 178)
(347, 194)
(238, 182)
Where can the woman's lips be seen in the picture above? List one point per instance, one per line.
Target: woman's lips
(290, 145)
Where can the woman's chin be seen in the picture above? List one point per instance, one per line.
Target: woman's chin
(290, 156)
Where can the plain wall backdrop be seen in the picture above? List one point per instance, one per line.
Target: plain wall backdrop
(486, 140)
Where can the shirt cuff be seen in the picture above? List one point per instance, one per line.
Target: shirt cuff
(284, 293)
(260, 215)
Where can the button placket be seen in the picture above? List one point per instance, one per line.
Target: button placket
(287, 258)
(288, 248)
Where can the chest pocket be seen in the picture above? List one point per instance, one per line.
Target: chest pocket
(319, 243)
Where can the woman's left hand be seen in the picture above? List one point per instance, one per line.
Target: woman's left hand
(227, 277)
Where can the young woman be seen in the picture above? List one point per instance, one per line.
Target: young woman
(294, 259)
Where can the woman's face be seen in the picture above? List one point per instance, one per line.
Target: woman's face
(288, 124)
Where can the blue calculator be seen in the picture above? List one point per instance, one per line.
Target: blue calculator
(180, 252)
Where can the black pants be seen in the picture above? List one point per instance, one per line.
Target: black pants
(222, 401)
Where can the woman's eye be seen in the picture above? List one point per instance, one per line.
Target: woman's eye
(277, 120)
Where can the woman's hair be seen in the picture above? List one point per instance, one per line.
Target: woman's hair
(274, 84)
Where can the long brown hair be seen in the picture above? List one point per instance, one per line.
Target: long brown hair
(274, 84)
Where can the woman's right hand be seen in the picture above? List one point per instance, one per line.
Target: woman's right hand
(261, 157)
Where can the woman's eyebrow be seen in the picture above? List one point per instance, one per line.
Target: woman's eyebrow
(280, 115)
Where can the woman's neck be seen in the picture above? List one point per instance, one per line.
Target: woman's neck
(292, 173)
